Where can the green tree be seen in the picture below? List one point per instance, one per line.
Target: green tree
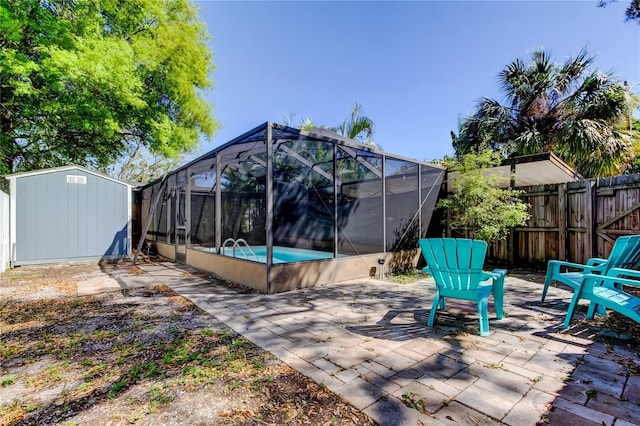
(86, 81)
(633, 10)
(569, 109)
(304, 123)
(476, 206)
(634, 131)
(139, 165)
(356, 126)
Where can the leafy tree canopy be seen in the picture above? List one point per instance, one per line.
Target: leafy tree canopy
(85, 81)
(633, 10)
(568, 108)
(138, 166)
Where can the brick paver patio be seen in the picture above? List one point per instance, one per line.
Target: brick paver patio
(368, 342)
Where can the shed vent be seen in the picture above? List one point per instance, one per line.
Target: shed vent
(82, 180)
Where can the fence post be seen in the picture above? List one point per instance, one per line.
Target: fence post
(562, 221)
(589, 217)
(511, 237)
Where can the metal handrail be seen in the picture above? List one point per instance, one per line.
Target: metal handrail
(237, 244)
(233, 246)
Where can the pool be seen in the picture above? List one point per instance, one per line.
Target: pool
(280, 254)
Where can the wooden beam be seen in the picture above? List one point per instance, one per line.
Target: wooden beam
(618, 217)
(562, 221)
(606, 237)
(618, 231)
(589, 204)
(536, 229)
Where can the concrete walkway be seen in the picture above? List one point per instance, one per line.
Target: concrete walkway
(367, 341)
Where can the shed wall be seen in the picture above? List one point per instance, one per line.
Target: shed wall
(60, 221)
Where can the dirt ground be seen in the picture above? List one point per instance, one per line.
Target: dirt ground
(139, 356)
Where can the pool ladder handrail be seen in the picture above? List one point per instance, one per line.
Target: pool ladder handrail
(236, 244)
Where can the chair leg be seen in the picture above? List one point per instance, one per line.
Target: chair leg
(547, 281)
(572, 308)
(498, 293)
(498, 299)
(595, 308)
(434, 308)
(484, 317)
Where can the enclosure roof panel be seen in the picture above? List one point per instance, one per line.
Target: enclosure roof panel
(62, 169)
(249, 143)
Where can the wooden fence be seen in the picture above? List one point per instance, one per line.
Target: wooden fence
(572, 221)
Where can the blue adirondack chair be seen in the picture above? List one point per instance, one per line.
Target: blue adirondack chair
(625, 254)
(456, 266)
(607, 292)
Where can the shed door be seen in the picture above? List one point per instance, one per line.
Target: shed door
(66, 216)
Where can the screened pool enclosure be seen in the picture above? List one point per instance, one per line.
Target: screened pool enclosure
(279, 208)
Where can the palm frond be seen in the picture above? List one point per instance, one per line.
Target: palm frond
(600, 96)
(592, 147)
(573, 68)
(357, 127)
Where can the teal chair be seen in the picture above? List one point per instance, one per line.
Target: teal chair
(607, 292)
(625, 254)
(456, 266)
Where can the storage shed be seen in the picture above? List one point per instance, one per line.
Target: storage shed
(68, 214)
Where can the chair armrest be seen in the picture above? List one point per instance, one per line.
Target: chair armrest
(596, 261)
(591, 280)
(621, 272)
(498, 273)
(555, 265)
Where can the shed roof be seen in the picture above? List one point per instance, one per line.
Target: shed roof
(62, 169)
(535, 169)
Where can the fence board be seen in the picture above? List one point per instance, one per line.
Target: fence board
(572, 221)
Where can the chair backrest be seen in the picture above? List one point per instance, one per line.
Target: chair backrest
(455, 263)
(625, 253)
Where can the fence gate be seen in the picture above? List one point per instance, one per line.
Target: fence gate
(572, 221)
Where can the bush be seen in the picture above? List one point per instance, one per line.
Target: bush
(476, 207)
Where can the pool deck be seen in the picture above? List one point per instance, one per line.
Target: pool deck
(368, 342)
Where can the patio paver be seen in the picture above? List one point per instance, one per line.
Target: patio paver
(368, 342)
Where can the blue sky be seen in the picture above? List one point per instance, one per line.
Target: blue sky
(414, 67)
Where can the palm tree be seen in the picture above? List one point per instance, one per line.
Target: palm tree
(357, 127)
(569, 109)
(304, 123)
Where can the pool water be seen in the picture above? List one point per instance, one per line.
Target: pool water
(280, 254)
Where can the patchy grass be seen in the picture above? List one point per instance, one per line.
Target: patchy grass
(413, 400)
(144, 356)
(407, 277)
